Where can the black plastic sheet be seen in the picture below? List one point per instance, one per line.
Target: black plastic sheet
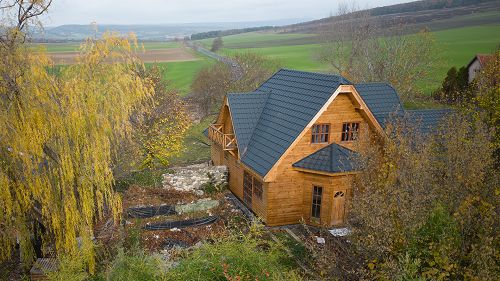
(150, 211)
(182, 223)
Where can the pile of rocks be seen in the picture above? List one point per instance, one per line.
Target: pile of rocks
(191, 178)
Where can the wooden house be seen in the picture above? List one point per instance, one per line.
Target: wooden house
(288, 144)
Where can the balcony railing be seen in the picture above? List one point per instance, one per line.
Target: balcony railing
(227, 141)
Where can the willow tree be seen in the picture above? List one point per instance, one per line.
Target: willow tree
(57, 141)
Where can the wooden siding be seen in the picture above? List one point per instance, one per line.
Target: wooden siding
(287, 192)
(288, 195)
(216, 154)
(235, 169)
(330, 186)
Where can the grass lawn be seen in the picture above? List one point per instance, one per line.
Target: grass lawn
(73, 47)
(456, 46)
(194, 151)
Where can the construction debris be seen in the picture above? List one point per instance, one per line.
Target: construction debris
(340, 232)
(192, 178)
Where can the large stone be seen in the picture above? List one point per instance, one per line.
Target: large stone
(192, 178)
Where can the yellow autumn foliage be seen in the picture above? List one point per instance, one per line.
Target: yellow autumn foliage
(59, 130)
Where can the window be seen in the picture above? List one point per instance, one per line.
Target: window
(339, 194)
(320, 133)
(257, 188)
(251, 186)
(316, 202)
(247, 188)
(350, 131)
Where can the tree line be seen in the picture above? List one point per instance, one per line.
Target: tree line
(222, 33)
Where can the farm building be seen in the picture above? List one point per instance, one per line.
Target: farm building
(288, 144)
(476, 64)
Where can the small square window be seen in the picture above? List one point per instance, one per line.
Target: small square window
(320, 133)
(350, 131)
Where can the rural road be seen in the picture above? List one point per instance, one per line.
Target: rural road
(236, 69)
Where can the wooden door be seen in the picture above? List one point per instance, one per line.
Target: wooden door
(338, 207)
(247, 189)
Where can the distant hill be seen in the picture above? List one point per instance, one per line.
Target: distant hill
(419, 14)
(160, 32)
(435, 14)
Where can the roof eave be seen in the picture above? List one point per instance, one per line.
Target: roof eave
(325, 173)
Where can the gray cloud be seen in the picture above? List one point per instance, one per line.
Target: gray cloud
(189, 11)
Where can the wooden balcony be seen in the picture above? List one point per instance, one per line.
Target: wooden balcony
(227, 141)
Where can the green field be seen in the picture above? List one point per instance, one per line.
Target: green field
(459, 45)
(301, 57)
(456, 47)
(261, 39)
(180, 74)
(73, 47)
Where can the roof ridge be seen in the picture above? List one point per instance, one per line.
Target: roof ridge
(374, 82)
(341, 80)
(243, 93)
(400, 103)
(429, 109)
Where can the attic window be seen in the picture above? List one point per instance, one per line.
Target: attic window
(350, 131)
(320, 133)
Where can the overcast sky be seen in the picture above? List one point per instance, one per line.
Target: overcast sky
(191, 11)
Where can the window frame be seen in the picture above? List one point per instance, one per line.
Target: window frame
(257, 189)
(247, 183)
(349, 135)
(316, 202)
(257, 186)
(322, 134)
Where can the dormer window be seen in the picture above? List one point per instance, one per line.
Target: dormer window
(350, 131)
(320, 133)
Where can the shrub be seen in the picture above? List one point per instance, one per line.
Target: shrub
(212, 187)
(238, 257)
(70, 268)
(436, 245)
(135, 265)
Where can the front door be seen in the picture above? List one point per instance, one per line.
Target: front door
(247, 189)
(338, 208)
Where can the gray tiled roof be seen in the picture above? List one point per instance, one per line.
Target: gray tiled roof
(294, 97)
(333, 158)
(245, 111)
(428, 118)
(268, 120)
(381, 99)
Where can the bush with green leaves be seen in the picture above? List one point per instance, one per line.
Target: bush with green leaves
(212, 186)
(238, 257)
(70, 268)
(136, 265)
(436, 245)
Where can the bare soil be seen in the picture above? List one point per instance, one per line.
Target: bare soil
(163, 55)
(154, 241)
